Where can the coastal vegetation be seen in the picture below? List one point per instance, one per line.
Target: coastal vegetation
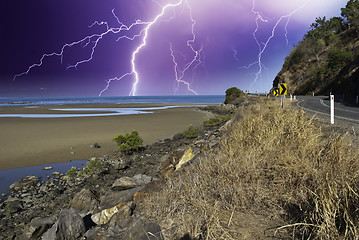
(93, 166)
(276, 171)
(217, 120)
(234, 96)
(190, 132)
(326, 59)
(130, 142)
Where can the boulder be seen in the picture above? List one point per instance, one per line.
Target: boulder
(154, 186)
(85, 200)
(142, 179)
(115, 214)
(38, 226)
(143, 230)
(69, 225)
(169, 166)
(24, 184)
(187, 156)
(113, 198)
(128, 183)
(124, 183)
(96, 233)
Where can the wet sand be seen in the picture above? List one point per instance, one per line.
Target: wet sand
(35, 141)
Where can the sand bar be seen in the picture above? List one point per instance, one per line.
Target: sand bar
(35, 141)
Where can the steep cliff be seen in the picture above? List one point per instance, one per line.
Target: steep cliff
(327, 59)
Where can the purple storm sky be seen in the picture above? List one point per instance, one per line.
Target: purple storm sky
(230, 39)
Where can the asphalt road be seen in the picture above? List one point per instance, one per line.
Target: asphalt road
(321, 105)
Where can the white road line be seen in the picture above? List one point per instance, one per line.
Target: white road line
(340, 109)
(339, 117)
(322, 102)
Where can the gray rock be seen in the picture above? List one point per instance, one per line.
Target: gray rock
(128, 183)
(85, 200)
(38, 226)
(113, 198)
(164, 158)
(24, 184)
(39, 221)
(144, 230)
(96, 233)
(13, 205)
(142, 179)
(122, 164)
(95, 145)
(124, 183)
(69, 225)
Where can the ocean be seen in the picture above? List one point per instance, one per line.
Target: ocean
(188, 99)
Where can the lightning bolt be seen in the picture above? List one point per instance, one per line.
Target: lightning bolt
(179, 76)
(194, 63)
(264, 45)
(94, 40)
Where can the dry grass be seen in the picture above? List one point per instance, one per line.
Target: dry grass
(276, 175)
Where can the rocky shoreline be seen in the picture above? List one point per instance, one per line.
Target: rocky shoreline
(102, 200)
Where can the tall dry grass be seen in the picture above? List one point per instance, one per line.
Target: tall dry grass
(276, 175)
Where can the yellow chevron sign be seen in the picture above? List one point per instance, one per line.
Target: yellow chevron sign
(283, 90)
(276, 92)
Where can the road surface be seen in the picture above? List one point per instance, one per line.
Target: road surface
(321, 105)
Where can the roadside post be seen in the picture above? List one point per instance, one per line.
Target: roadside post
(291, 97)
(332, 109)
(283, 91)
(357, 99)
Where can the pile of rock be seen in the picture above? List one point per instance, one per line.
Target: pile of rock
(102, 205)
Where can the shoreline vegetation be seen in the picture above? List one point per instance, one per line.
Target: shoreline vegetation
(251, 171)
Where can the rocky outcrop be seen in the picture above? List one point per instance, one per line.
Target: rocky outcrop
(24, 184)
(102, 204)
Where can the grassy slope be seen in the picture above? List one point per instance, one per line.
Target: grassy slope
(275, 168)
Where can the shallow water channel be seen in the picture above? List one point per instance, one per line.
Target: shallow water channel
(9, 176)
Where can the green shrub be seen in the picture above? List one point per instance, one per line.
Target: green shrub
(232, 94)
(216, 121)
(130, 142)
(92, 166)
(190, 132)
(337, 58)
(71, 173)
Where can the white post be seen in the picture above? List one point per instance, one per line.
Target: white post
(332, 109)
(291, 97)
(282, 102)
(295, 97)
(357, 99)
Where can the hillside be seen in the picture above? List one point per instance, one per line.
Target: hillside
(327, 58)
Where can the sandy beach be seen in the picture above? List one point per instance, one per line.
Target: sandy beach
(35, 141)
